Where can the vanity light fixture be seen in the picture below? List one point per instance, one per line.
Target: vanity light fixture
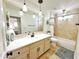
(40, 2)
(21, 12)
(25, 7)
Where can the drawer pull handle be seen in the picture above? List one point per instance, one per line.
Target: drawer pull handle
(18, 52)
(9, 54)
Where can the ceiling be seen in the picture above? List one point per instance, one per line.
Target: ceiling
(56, 4)
(50, 4)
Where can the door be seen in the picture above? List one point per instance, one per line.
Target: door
(15, 23)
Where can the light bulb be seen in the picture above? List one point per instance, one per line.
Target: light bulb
(21, 12)
(25, 8)
(40, 13)
(34, 16)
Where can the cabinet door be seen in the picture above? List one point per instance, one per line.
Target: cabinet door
(41, 49)
(33, 53)
(47, 44)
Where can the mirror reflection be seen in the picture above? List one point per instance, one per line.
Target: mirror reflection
(21, 23)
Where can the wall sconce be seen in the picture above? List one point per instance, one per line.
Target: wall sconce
(24, 7)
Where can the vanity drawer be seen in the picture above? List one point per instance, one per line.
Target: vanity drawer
(19, 51)
(22, 56)
(36, 44)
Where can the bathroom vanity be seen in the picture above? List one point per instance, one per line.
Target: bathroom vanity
(29, 47)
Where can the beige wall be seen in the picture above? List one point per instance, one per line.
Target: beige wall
(67, 28)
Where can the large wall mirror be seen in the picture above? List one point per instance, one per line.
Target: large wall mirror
(22, 24)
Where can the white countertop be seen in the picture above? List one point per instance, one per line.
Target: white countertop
(26, 41)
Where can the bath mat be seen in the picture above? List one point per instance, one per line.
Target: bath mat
(64, 53)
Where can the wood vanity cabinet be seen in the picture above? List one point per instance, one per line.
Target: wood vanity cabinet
(32, 51)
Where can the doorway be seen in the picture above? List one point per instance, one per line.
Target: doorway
(15, 23)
